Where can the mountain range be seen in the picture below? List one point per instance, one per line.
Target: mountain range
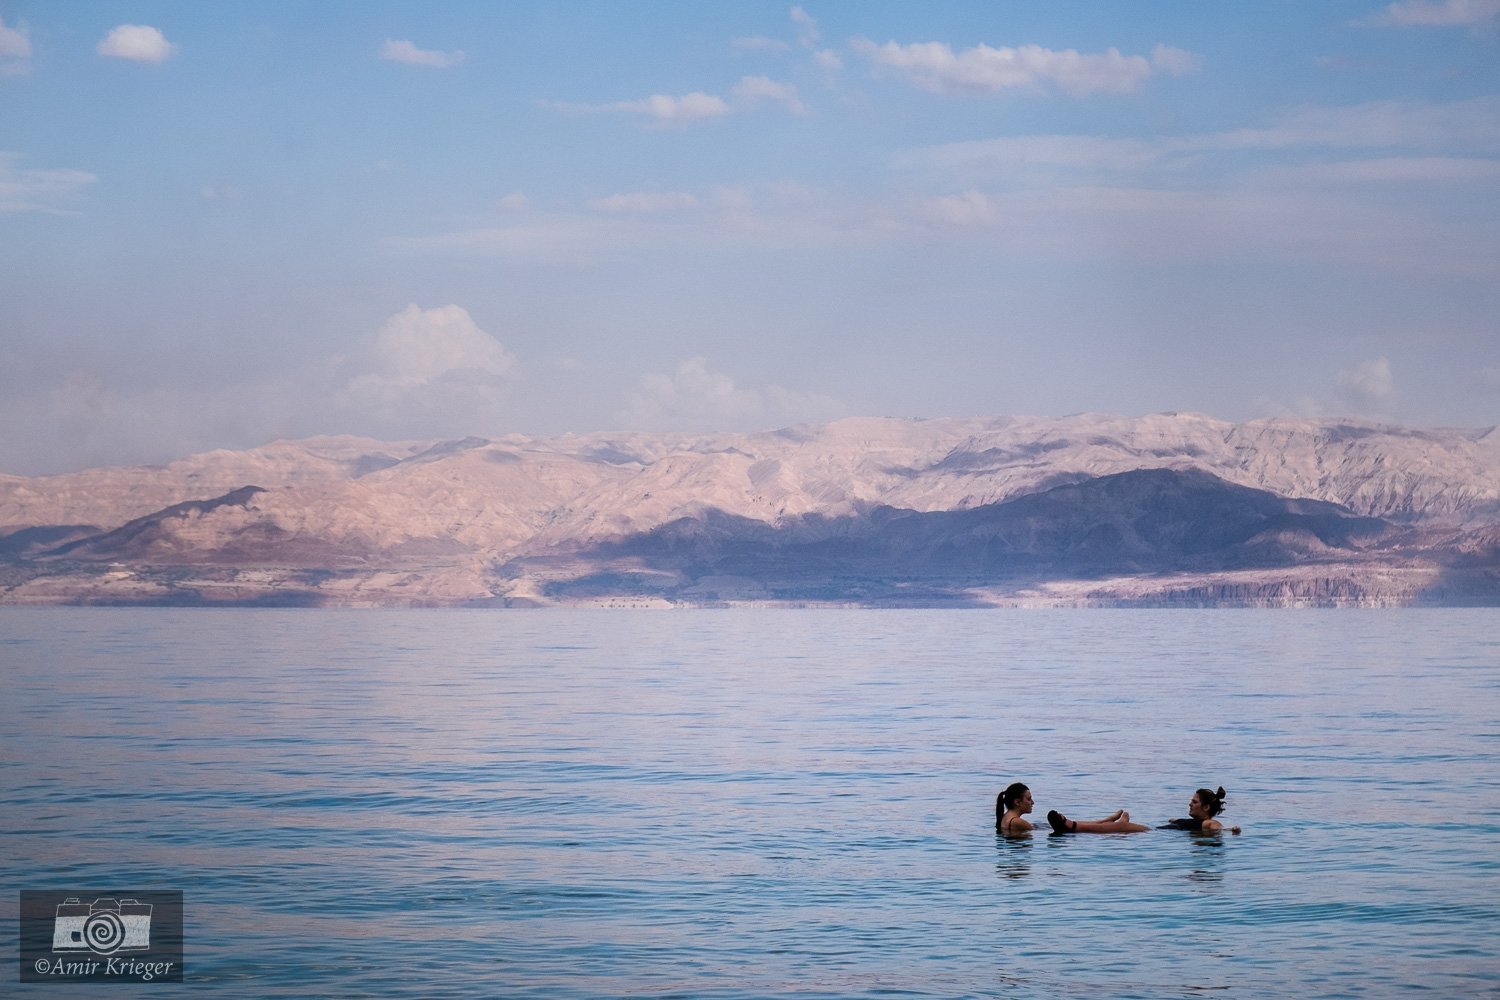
(1163, 510)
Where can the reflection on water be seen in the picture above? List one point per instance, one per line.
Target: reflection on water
(1208, 857)
(1203, 863)
(1014, 852)
(748, 804)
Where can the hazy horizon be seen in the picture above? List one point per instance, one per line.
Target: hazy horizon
(691, 435)
(229, 224)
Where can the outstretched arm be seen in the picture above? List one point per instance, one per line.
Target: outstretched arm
(1214, 826)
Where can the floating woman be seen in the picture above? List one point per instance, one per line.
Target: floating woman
(1012, 805)
(1118, 822)
(1201, 812)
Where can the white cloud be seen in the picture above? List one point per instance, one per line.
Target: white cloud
(734, 198)
(935, 67)
(807, 28)
(1391, 170)
(138, 42)
(426, 372)
(828, 60)
(403, 51)
(514, 202)
(752, 90)
(15, 43)
(972, 208)
(419, 346)
(1305, 188)
(24, 190)
(1440, 13)
(1012, 157)
(772, 216)
(1449, 127)
(695, 398)
(1274, 222)
(645, 202)
(1466, 124)
(1174, 61)
(1368, 382)
(669, 110)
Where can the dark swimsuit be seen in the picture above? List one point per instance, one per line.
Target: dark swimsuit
(1195, 825)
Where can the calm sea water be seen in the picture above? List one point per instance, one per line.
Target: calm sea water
(766, 803)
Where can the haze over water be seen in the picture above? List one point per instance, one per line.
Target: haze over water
(753, 803)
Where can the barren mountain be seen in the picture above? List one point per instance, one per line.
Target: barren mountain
(1398, 515)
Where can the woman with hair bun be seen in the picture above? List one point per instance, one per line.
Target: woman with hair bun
(1202, 809)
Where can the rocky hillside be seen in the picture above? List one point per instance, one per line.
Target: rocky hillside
(1083, 509)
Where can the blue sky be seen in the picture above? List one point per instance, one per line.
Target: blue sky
(227, 223)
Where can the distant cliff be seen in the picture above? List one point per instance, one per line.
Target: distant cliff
(1170, 509)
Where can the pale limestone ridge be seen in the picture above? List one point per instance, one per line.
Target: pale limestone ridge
(435, 520)
(598, 485)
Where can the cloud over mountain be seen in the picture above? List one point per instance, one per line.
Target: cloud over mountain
(429, 368)
(694, 396)
(1369, 381)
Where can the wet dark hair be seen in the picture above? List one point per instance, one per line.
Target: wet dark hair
(1213, 801)
(1008, 798)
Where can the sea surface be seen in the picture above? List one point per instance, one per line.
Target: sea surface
(765, 803)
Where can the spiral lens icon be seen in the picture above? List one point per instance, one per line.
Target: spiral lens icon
(104, 932)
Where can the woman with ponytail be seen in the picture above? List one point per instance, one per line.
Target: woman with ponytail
(1011, 807)
(1201, 812)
